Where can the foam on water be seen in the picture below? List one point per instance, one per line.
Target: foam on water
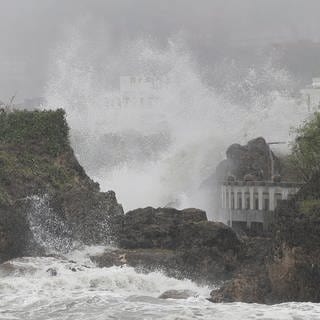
(79, 291)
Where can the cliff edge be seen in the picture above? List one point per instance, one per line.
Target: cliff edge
(40, 178)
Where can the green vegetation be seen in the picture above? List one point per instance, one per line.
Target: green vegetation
(28, 128)
(35, 155)
(306, 148)
(310, 207)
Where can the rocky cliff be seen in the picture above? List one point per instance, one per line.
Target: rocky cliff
(37, 162)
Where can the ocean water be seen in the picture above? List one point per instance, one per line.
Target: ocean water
(80, 290)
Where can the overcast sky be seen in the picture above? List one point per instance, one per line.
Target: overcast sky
(31, 29)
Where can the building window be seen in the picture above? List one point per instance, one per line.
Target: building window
(240, 203)
(227, 200)
(232, 200)
(256, 204)
(247, 201)
(278, 198)
(290, 196)
(266, 204)
(239, 197)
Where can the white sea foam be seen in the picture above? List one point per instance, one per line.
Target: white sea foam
(79, 291)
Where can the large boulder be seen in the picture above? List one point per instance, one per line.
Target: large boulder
(182, 243)
(169, 228)
(253, 159)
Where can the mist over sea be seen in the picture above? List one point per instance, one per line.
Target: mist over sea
(159, 148)
(154, 95)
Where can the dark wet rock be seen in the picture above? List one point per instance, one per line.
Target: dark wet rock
(14, 233)
(294, 266)
(248, 283)
(249, 162)
(177, 294)
(93, 216)
(180, 243)
(169, 228)
(52, 272)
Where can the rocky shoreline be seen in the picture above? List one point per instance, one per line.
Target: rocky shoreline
(182, 244)
(37, 162)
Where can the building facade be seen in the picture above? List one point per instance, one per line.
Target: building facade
(251, 204)
(138, 90)
(311, 95)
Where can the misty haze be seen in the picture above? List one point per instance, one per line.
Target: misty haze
(159, 159)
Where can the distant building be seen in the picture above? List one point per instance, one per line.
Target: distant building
(138, 91)
(32, 103)
(250, 186)
(311, 95)
(251, 204)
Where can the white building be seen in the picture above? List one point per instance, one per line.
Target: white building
(138, 90)
(311, 95)
(251, 204)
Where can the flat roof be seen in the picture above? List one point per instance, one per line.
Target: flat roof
(283, 184)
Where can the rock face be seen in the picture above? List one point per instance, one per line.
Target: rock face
(36, 160)
(164, 228)
(181, 243)
(91, 215)
(294, 268)
(13, 233)
(252, 160)
(249, 282)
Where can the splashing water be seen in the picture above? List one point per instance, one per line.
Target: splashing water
(49, 231)
(79, 290)
(155, 146)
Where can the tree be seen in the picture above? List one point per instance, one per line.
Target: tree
(306, 148)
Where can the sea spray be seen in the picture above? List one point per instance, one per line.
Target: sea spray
(49, 231)
(159, 153)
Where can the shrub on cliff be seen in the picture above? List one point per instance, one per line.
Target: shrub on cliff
(37, 162)
(45, 129)
(306, 148)
(35, 154)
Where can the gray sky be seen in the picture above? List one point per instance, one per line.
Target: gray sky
(31, 29)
